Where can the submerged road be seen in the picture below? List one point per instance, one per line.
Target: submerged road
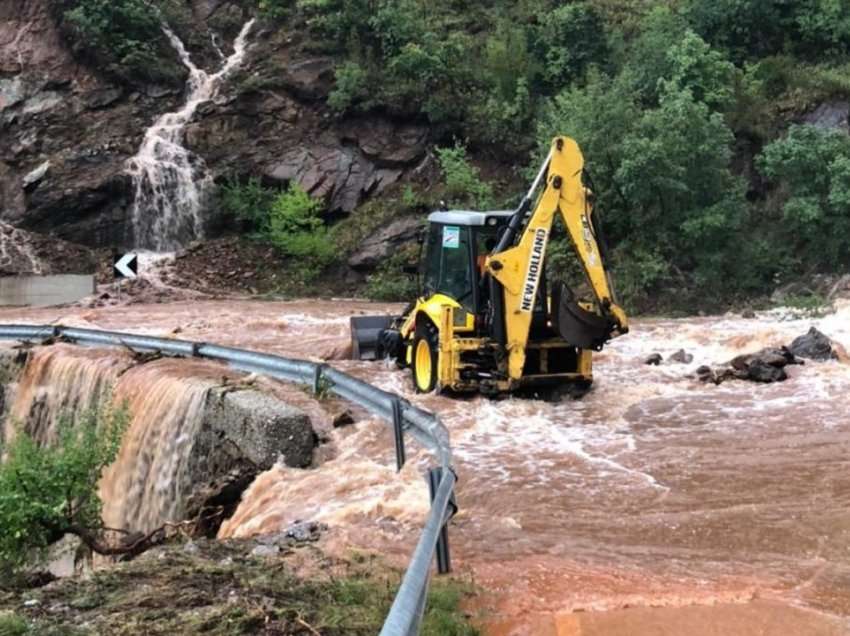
(655, 505)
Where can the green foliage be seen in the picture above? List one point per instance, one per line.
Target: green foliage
(289, 220)
(464, 186)
(296, 230)
(249, 201)
(568, 40)
(276, 9)
(812, 168)
(13, 625)
(752, 28)
(47, 491)
(389, 282)
(125, 34)
(664, 185)
(351, 86)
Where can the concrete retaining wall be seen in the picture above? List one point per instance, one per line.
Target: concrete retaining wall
(43, 291)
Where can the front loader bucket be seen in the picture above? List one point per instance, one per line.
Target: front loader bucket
(365, 331)
(576, 325)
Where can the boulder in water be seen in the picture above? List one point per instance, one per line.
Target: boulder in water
(813, 345)
(654, 360)
(766, 366)
(682, 357)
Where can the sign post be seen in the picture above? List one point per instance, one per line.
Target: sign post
(126, 266)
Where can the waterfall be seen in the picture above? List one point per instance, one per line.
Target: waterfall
(169, 181)
(148, 484)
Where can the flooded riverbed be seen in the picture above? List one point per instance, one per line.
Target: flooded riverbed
(654, 491)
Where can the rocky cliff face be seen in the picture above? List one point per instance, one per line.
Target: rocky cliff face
(68, 128)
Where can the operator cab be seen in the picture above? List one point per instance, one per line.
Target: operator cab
(456, 245)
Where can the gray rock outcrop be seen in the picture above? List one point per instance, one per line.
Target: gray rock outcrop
(376, 248)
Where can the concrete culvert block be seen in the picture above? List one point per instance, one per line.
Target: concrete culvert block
(262, 427)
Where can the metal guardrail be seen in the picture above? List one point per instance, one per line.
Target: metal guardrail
(408, 607)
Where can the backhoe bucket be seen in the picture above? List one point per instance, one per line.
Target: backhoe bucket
(576, 325)
(365, 331)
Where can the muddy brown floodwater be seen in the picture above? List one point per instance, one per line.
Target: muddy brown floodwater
(655, 505)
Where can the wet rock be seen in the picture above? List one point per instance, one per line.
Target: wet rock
(682, 357)
(265, 551)
(103, 97)
(31, 178)
(385, 242)
(840, 289)
(654, 360)
(761, 371)
(765, 366)
(344, 418)
(311, 78)
(813, 345)
(303, 531)
(833, 114)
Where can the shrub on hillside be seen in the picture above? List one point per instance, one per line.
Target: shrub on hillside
(47, 491)
(125, 35)
(811, 168)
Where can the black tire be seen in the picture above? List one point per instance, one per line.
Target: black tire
(426, 334)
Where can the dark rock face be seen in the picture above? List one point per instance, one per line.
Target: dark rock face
(835, 114)
(58, 113)
(270, 119)
(23, 252)
(385, 242)
(814, 345)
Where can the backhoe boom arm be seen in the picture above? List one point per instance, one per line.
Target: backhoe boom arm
(518, 265)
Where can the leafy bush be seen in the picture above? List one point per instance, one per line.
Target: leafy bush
(568, 40)
(125, 34)
(351, 86)
(288, 220)
(390, 283)
(276, 9)
(811, 166)
(295, 228)
(249, 201)
(463, 183)
(49, 491)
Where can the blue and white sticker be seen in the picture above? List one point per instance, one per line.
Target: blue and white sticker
(451, 237)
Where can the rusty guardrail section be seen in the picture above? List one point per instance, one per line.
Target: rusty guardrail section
(406, 613)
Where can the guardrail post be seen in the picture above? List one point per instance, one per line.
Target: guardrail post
(444, 561)
(317, 378)
(398, 431)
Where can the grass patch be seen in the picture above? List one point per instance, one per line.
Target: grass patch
(221, 590)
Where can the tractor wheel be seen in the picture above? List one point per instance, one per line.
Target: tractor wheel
(425, 355)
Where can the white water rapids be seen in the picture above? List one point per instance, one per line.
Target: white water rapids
(169, 181)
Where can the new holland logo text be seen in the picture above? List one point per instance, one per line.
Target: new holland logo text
(535, 268)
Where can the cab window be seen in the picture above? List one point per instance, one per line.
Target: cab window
(448, 263)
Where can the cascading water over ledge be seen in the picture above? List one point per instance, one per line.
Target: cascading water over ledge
(169, 181)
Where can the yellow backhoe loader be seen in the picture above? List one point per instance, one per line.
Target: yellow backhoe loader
(487, 320)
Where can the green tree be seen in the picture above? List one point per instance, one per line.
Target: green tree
(49, 491)
(568, 40)
(811, 168)
(126, 34)
(665, 188)
(295, 228)
(464, 186)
